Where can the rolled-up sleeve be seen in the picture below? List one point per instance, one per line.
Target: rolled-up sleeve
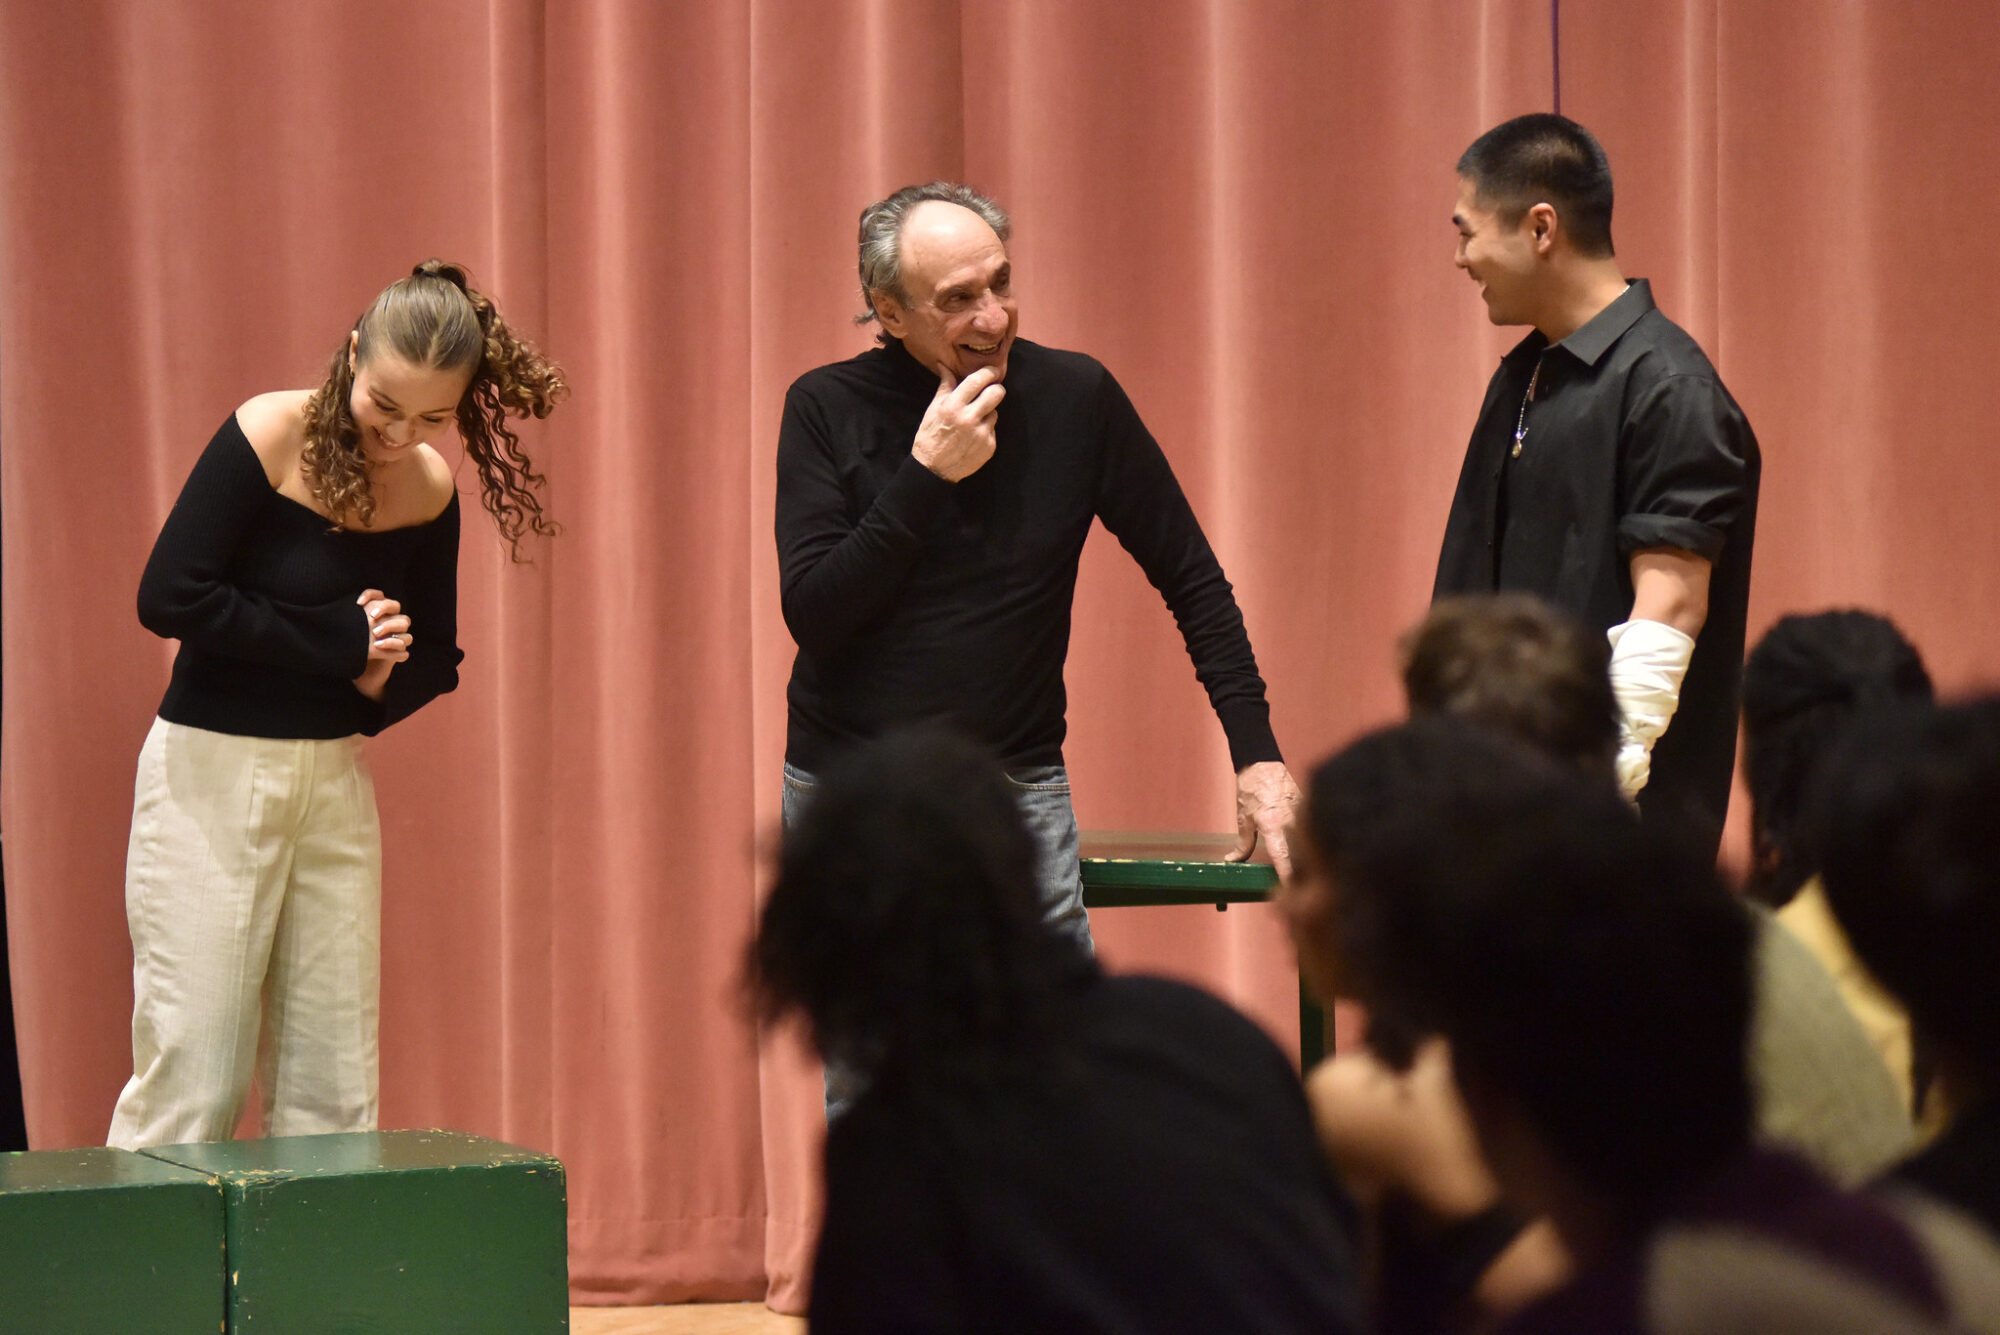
(1687, 467)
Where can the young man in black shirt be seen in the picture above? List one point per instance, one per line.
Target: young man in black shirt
(933, 498)
(1610, 471)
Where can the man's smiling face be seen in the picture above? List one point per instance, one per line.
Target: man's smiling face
(1499, 256)
(960, 314)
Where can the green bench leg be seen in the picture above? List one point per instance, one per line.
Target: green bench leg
(1315, 1031)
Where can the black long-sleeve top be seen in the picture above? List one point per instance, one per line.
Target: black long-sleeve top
(916, 599)
(260, 591)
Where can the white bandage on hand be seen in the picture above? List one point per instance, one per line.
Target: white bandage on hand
(1648, 660)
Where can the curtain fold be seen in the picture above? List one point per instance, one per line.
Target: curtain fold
(1809, 190)
(1241, 208)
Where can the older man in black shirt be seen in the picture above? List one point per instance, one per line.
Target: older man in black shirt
(930, 519)
(1609, 471)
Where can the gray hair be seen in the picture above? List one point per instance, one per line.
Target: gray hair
(882, 234)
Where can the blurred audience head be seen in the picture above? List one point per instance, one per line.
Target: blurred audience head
(904, 925)
(1519, 665)
(1509, 663)
(1807, 680)
(1592, 978)
(1905, 826)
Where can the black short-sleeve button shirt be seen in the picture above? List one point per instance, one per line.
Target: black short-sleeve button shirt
(1630, 442)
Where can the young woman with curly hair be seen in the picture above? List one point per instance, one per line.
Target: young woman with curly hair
(309, 570)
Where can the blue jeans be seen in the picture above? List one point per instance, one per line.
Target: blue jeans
(1042, 792)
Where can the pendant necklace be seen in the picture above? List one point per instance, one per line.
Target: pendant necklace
(1521, 422)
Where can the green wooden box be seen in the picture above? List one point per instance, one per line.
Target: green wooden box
(432, 1231)
(100, 1240)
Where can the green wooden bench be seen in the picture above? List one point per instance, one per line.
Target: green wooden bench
(1124, 870)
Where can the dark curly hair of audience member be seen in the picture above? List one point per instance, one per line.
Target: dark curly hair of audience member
(1591, 967)
(1905, 824)
(1806, 681)
(904, 925)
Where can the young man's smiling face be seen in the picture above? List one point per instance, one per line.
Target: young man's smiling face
(1501, 257)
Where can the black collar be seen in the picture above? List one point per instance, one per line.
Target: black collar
(906, 371)
(1606, 327)
(1597, 334)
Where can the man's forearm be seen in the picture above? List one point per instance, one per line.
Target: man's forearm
(1670, 586)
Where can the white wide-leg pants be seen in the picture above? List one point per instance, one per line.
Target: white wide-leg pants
(253, 882)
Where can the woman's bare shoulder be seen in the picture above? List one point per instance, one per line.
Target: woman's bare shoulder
(275, 426)
(439, 483)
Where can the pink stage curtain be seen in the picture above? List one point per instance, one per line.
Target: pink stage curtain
(1242, 208)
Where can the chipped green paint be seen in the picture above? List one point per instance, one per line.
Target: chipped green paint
(1128, 870)
(100, 1240)
(433, 1231)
